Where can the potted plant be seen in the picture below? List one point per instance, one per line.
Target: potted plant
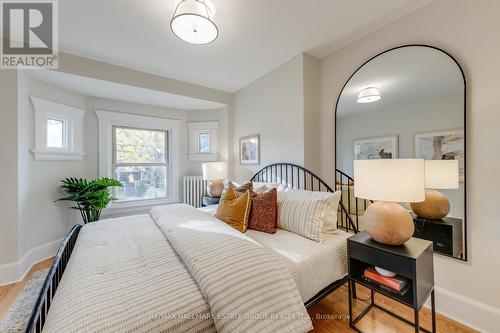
(90, 196)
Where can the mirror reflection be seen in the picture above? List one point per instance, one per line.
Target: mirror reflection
(409, 102)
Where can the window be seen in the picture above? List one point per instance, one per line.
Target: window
(56, 135)
(140, 162)
(143, 153)
(204, 143)
(58, 131)
(202, 140)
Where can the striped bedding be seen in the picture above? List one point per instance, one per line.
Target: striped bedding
(180, 271)
(124, 277)
(247, 287)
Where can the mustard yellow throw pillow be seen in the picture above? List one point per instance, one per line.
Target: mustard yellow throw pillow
(234, 210)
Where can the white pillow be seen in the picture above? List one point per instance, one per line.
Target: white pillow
(260, 187)
(308, 213)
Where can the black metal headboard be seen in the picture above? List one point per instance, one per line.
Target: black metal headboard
(297, 177)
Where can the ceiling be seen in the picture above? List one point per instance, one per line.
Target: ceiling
(404, 76)
(255, 37)
(106, 89)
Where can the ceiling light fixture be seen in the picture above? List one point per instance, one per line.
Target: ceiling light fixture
(192, 22)
(368, 95)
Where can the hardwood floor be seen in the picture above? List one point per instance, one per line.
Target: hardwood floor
(330, 315)
(9, 293)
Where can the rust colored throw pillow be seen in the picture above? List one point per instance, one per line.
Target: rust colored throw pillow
(263, 214)
(234, 210)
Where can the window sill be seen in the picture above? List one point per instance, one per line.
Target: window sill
(133, 207)
(202, 157)
(54, 155)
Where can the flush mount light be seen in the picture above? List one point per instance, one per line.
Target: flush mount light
(192, 22)
(368, 95)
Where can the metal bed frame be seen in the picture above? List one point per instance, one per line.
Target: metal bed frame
(42, 305)
(290, 175)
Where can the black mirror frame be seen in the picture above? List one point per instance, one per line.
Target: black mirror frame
(465, 254)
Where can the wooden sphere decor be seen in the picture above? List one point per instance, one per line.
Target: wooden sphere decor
(388, 223)
(435, 207)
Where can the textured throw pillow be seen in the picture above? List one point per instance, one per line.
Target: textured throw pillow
(308, 213)
(239, 189)
(263, 214)
(234, 210)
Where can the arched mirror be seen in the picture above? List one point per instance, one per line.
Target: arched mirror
(408, 102)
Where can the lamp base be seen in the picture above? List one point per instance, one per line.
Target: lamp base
(435, 207)
(215, 188)
(388, 223)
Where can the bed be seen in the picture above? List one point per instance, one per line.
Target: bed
(181, 293)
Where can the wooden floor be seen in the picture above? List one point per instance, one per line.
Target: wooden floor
(9, 293)
(330, 315)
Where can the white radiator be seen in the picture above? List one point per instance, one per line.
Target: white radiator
(194, 188)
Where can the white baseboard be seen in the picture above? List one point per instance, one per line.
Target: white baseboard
(15, 272)
(476, 315)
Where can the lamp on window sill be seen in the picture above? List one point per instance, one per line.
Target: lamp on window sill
(214, 173)
(439, 174)
(389, 181)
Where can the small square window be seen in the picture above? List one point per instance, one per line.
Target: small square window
(204, 143)
(55, 133)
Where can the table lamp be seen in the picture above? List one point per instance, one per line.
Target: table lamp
(439, 174)
(389, 181)
(215, 173)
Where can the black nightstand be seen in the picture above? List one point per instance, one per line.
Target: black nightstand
(446, 234)
(208, 201)
(413, 261)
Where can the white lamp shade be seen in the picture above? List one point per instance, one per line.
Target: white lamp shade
(214, 170)
(395, 180)
(441, 174)
(368, 95)
(192, 22)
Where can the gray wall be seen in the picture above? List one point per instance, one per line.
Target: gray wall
(9, 166)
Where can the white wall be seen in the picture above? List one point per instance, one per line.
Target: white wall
(41, 219)
(469, 31)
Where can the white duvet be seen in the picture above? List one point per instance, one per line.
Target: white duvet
(180, 271)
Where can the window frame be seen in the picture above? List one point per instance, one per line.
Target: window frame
(195, 128)
(108, 120)
(115, 164)
(72, 118)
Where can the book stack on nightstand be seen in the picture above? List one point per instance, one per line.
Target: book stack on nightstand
(413, 283)
(396, 285)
